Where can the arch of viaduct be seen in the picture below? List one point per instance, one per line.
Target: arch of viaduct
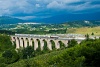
(24, 41)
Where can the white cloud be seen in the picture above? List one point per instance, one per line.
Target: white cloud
(69, 1)
(15, 6)
(65, 5)
(11, 7)
(26, 17)
(37, 5)
(53, 4)
(85, 6)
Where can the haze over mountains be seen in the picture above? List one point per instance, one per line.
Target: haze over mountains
(54, 19)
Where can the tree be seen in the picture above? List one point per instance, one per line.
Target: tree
(27, 52)
(10, 56)
(85, 55)
(92, 33)
(87, 37)
(91, 51)
(7, 54)
(62, 45)
(53, 44)
(72, 43)
(5, 43)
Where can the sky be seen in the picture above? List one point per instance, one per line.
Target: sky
(29, 9)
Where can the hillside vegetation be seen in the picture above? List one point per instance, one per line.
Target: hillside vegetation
(85, 55)
(5, 42)
(85, 30)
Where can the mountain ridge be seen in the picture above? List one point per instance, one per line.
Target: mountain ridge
(54, 19)
(70, 17)
(9, 20)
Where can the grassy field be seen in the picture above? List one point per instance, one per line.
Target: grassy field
(85, 30)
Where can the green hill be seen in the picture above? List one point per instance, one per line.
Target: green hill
(85, 55)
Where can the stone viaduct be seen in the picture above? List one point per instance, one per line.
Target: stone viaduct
(24, 40)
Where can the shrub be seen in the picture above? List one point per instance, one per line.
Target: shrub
(10, 56)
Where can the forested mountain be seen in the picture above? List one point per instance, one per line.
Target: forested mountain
(9, 20)
(70, 17)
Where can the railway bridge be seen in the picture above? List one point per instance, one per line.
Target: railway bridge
(24, 40)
